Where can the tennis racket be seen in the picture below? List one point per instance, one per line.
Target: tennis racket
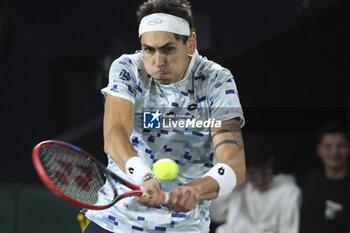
(77, 177)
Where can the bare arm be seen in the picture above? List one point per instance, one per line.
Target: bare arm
(117, 127)
(229, 149)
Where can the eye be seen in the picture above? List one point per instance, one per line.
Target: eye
(149, 49)
(168, 49)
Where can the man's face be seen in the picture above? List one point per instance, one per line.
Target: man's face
(165, 58)
(260, 177)
(334, 150)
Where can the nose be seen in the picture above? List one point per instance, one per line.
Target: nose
(159, 59)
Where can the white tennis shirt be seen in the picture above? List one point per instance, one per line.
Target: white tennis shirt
(207, 91)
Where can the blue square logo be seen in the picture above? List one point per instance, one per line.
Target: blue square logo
(151, 120)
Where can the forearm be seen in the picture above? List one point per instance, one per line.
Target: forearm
(229, 148)
(117, 145)
(206, 187)
(118, 123)
(185, 198)
(236, 162)
(230, 171)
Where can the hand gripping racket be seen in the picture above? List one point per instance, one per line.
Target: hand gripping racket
(77, 177)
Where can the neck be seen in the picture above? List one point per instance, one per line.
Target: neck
(336, 173)
(186, 67)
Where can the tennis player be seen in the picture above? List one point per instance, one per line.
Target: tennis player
(169, 78)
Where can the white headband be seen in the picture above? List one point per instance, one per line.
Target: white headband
(164, 22)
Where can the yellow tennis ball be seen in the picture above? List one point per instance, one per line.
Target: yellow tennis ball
(165, 169)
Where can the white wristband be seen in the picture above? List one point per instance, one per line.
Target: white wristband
(225, 176)
(136, 169)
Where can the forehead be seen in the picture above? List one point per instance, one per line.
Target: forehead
(158, 38)
(333, 138)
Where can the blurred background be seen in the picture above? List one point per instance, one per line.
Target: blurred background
(288, 58)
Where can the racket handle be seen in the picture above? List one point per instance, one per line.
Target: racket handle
(166, 198)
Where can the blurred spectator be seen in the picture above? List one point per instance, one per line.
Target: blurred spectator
(326, 193)
(265, 203)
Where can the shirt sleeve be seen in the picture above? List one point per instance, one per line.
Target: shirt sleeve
(223, 97)
(122, 80)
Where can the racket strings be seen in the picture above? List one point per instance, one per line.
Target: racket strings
(73, 173)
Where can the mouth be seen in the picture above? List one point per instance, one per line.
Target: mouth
(161, 74)
(164, 81)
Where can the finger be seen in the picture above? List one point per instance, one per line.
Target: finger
(158, 199)
(173, 197)
(150, 188)
(142, 199)
(185, 193)
(189, 204)
(146, 201)
(147, 189)
(154, 199)
(181, 197)
(187, 200)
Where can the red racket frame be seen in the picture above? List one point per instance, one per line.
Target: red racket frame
(53, 188)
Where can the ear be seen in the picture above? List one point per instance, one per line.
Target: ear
(192, 43)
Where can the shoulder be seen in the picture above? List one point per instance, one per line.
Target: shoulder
(210, 70)
(129, 67)
(129, 62)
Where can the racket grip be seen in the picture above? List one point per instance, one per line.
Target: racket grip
(166, 198)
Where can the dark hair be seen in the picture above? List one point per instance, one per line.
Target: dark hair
(179, 8)
(257, 151)
(332, 128)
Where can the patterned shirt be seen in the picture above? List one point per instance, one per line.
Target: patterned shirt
(207, 92)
